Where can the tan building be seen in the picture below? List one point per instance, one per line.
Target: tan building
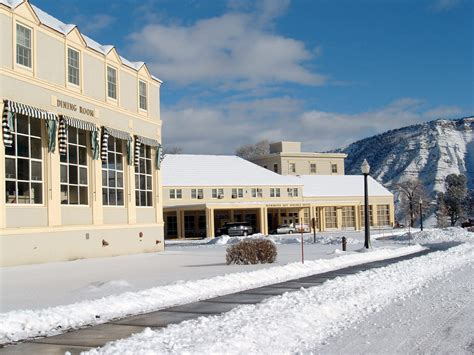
(81, 144)
(286, 158)
(202, 192)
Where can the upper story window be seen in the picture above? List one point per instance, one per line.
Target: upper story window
(176, 193)
(334, 168)
(74, 181)
(292, 168)
(24, 162)
(312, 168)
(72, 66)
(257, 192)
(112, 83)
(292, 192)
(197, 193)
(275, 192)
(217, 193)
(23, 45)
(237, 193)
(142, 93)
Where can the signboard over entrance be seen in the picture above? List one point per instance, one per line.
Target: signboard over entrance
(74, 107)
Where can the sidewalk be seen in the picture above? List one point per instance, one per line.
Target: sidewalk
(96, 336)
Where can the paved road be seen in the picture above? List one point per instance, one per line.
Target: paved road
(96, 336)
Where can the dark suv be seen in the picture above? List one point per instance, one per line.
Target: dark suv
(235, 229)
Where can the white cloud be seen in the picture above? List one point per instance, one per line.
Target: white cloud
(220, 129)
(238, 49)
(95, 23)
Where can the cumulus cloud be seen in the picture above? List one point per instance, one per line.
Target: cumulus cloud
(95, 23)
(220, 129)
(238, 49)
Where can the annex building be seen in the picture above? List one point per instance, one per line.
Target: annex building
(202, 192)
(81, 144)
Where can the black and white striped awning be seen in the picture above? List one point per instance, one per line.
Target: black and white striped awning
(117, 133)
(147, 141)
(79, 124)
(139, 141)
(107, 131)
(17, 107)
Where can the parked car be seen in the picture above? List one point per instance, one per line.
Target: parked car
(234, 229)
(468, 223)
(284, 229)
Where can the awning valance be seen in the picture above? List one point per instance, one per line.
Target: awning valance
(106, 132)
(117, 133)
(139, 140)
(147, 141)
(11, 108)
(66, 121)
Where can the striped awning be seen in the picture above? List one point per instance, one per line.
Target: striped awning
(17, 107)
(79, 124)
(147, 141)
(118, 133)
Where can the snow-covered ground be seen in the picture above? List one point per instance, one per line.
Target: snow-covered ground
(304, 320)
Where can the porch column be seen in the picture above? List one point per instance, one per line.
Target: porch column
(179, 227)
(357, 218)
(339, 217)
(391, 215)
(322, 215)
(97, 207)
(210, 233)
(231, 213)
(262, 224)
(53, 198)
(3, 214)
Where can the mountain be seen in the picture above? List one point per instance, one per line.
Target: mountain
(429, 151)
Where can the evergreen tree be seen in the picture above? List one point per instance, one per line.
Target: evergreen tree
(455, 196)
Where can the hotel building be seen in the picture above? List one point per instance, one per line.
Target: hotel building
(81, 152)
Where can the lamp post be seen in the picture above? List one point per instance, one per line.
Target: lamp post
(365, 168)
(421, 214)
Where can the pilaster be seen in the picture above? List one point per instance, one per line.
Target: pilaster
(96, 184)
(53, 198)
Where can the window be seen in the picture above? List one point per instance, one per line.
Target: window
(112, 83)
(348, 217)
(24, 162)
(144, 178)
(189, 224)
(237, 193)
(23, 45)
(142, 94)
(275, 168)
(112, 174)
(331, 217)
(312, 168)
(257, 192)
(292, 192)
(171, 226)
(275, 192)
(176, 193)
(383, 215)
(172, 193)
(334, 168)
(218, 193)
(362, 216)
(72, 66)
(292, 168)
(197, 193)
(74, 170)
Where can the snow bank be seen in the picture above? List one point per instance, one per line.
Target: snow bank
(452, 234)
(22, 324)
(286, 239)
(299, 321)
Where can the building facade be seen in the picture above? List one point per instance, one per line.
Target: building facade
(286, 158)
(202, 192)
(81, 145)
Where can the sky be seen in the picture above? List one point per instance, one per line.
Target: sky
(324, 72)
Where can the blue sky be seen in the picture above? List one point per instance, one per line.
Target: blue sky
(320, 71)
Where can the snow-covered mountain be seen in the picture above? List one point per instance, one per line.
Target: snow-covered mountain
(428, 151)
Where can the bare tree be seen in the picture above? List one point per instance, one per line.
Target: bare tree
(250, 151)
(441, 212)
(173, 150)
(455, 196)
(410, 193)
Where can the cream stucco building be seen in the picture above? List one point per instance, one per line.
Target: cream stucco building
(202, 192)
(81, 145)
(286, 158)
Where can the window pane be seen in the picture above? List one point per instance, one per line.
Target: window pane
(105, 199)
(10, 192)
(149, 199)
(83, 176)
(72, 154)
(63, 158)
(23, 171)
(111, 144)
(82, 137)
(149, 183)
(119, 162)
(148, 166)
(142, 182)
(119, 179)
(63, 173)
(112, 197)
(37, 193)
(73, 195)
(35, 127)
(104, 177)
(111, 161)
(83, 195)
(142, 165)
(36, 148)
(23, 146)
(143, 198)
(64, 194)
(22, 124)
(72, 134)
(11, 150)
(73, 174)
(23, 192)
(36, 173)
(120, 197)
(137, 198)
(82, 156)
(10, 169)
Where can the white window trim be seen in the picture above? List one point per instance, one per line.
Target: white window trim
(79, 69)
(150, 159)
(109, 98)
(146, 96)
(19, 65)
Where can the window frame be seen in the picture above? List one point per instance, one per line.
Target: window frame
(29, 49)
(69, 66)
(141, 95)
(78, 147)
(334, 169)
(147, 175)
(311, 170)
(112, 84)
(292, 167)
(105, 167)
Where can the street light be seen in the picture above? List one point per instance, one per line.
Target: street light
(365, 170)
(421, 214)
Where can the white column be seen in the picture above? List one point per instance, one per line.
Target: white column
(96, 184)
(3, 216)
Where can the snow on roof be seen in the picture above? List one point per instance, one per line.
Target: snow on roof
(340, 185)
(218, 170)
(57, 25)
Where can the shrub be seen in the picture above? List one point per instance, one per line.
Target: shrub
(252, 251)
